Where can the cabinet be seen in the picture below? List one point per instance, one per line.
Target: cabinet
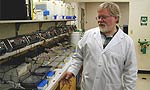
(15, 9)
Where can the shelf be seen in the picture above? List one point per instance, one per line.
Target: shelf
(32, 21)
(40, 22)
(8, 54)
(59, 72)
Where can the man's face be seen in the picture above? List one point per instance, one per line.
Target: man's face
(106, 22)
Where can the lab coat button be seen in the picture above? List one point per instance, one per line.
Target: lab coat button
(99, 65)
(97, 77)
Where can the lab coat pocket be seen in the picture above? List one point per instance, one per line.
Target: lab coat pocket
(114, 87)
(117, 59)
(84, 81)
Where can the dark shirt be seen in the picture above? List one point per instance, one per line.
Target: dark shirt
(107, 39)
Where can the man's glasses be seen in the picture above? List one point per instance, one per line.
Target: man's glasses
(102, 17)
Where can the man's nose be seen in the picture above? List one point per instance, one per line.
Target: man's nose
(100, 20)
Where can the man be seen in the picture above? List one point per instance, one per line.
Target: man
(106, 53)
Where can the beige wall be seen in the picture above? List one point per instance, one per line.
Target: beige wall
(140, 8)
(78, 12)
(8, 30)
(91, 13)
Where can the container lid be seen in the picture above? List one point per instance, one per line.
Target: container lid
(45, 12)
(42, 83)
(50, 73)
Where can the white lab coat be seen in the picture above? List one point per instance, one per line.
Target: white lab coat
(103, 68)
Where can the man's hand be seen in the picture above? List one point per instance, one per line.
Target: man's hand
(67, 77)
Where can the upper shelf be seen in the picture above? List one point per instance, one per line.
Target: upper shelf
(32, 21)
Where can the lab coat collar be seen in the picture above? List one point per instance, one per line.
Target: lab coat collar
(97, 37)
(115, 40)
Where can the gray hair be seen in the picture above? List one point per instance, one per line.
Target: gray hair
(112, 7)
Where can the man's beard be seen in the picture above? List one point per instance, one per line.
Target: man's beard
(103, 28)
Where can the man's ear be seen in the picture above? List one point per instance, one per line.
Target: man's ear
(117, 19)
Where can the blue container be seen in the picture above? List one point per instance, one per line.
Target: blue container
(45, 12)
(68, 17)
(74, 17)
(63, 17)
(55, 16)
(50, 73)
(43, 83)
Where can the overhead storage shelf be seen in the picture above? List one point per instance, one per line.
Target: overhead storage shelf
(33, 21)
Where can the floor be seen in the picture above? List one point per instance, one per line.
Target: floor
(143, 82)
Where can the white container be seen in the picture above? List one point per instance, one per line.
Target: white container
(58, 9)
(75, 37)
(39, 15)
(46, 5)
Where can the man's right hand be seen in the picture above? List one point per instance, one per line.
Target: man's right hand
(67, 77)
